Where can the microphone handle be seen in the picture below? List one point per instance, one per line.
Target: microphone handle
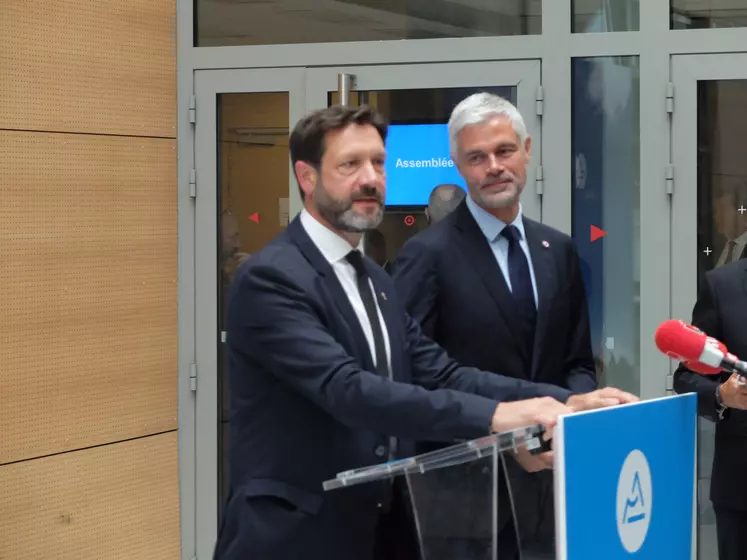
(736, 366)
(740, 367)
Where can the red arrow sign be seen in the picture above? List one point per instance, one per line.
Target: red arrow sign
(596, 233)
(255, 217)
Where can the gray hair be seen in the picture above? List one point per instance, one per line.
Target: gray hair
(478, 108)
(443, 200)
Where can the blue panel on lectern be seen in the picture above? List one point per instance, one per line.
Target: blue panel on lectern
(629, 477)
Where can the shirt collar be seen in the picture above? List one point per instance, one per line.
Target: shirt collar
(490, 225)
(333, 247)
(742, 239)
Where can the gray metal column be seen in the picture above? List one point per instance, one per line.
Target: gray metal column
(344, 86)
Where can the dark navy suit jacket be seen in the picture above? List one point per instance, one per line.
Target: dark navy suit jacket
(449, 281)
(305, 405)
(719, 312)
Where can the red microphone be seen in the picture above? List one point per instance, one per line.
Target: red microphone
(697, 367)
(698, 351)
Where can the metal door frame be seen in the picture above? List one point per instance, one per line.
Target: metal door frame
(686, 71)
(308, 89)
(525, 75)
(208, 85)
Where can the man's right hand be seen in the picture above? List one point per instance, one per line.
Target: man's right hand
(601, 398)
(518, 414)
(734, 395)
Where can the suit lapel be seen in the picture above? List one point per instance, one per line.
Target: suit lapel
(314, 256)
(545, 275)
(476, 248)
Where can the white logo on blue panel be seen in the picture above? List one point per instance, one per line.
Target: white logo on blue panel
(634, 496)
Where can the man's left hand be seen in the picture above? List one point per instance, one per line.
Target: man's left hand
(533, 463)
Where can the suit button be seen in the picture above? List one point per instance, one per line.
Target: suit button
(380, 451)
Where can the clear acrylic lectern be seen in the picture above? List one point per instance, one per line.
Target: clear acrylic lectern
(472, 500)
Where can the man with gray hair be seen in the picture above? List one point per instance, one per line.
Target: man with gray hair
(443, 201)
(504, 293)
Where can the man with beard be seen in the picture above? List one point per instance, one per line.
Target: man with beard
(501, 292)
(326, 368)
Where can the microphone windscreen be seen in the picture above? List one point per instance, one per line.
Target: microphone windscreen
(680, 341)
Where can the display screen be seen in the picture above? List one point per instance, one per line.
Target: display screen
(417, 160)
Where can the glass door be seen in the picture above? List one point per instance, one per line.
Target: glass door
(709, 206)
(244, 197)
(417, 100)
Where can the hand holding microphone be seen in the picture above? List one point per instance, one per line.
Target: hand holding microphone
(698, 351)
(734, 392)
(706, 355)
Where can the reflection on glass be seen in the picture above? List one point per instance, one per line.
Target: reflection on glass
(597, 16)
(606, 179)
(252, 206)
(707, 14)
(454, 509)
(273, 22)
(410, 107)
(722, 235)
(722, 173)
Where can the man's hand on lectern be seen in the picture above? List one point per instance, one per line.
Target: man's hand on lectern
(518, 414)
(601, 398)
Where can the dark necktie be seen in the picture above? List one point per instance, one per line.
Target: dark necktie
(521, 282)
(355, 258)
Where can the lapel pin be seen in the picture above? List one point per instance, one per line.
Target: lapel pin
(545, 244)
(383, 296)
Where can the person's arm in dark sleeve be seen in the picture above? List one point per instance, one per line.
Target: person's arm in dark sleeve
(706, 318)
(579, 364)
(277, 325)
(432, 368)
(416, 280)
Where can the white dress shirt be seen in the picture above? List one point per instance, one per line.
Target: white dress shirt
(334, 248)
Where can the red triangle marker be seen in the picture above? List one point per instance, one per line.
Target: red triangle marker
(255, 217)
(596, 233)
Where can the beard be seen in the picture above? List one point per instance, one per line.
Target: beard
(494, 198)
(341, 214)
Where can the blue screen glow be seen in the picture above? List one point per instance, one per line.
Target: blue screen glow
(417, 160)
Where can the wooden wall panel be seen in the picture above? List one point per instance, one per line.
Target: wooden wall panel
(88, 66)
(88, 291)
(113, 502)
